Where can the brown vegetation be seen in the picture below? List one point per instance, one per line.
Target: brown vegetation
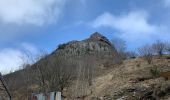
(166, 75)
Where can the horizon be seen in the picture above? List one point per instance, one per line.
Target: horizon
(40, 26)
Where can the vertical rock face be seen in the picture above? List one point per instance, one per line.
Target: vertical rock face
(98, 37)
(96, 46)
(95, 43)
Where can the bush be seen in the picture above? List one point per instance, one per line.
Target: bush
(155, 72)
(62, 46)
(138, 65)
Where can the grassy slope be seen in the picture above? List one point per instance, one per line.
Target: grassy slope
(120, 78)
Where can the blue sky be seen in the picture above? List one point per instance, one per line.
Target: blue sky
(29, 27)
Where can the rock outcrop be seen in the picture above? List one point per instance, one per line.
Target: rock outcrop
(96, 43)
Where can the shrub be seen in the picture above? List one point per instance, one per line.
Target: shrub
(138, 65)
(62, 46)
(155, 72)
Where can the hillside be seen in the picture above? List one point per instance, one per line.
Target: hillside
(92, 69)
(133, 81)
(75, 60)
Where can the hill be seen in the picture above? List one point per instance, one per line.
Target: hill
(75, 60)
(134, 80)
(92, 69)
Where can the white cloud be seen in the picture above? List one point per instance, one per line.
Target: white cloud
(132, 22)
(11, 58)
(133, 25)
(36, 12)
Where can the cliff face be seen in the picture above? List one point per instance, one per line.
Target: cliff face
(95, 43)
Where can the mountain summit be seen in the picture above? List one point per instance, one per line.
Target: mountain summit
(95, 43)
(99, 37)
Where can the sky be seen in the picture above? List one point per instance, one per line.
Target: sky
(31, 27)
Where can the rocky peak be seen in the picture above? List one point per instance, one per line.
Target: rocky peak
(95, 43)
(96, 35)
(99, 37)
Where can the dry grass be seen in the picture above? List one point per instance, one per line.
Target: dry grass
(121, 77)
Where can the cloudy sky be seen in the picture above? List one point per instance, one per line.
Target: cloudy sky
(28, 27)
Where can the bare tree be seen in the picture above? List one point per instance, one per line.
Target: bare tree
(147, 52)
(61, 73)
(85, 73)
(120, 46)
(39, 70)
(20, 81)
(27, 79)
(89, 68)
(26, 73)
(159, 47)
(168, 48)
(54, 73)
